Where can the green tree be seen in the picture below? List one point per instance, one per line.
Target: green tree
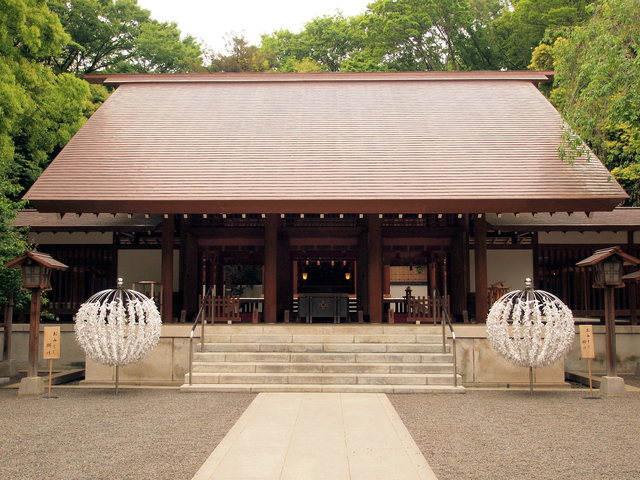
(598, 87)
(241, 56)
(432, 34)
(118, 36)
(524, 24)
(326, 43)
(39, 111)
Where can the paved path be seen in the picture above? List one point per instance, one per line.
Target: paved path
(348, 436)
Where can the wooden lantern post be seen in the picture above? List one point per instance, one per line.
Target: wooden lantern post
(36, 277)
(608, 265)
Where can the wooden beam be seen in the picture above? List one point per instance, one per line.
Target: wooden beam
(480, 248)
(168, 226)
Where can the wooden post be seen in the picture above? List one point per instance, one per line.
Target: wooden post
(189, 272)
(34, 333)
(632, 287)
(8, 327)
(362, 276)
(610, 335)
(480, 248)
(375, 269)
(269, 286)
(168, 226)
(633, 302)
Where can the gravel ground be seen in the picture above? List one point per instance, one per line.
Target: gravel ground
(94, 434)
(151, 433)
(513, 435)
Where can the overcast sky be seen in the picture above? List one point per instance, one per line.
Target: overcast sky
(209, 20)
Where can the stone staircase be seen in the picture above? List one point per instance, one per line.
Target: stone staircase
(323, 358)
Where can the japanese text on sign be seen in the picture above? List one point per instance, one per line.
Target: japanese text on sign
(51, 343)
(587, 349)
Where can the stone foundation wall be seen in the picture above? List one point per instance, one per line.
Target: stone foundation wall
(627, 351)
(478, 363)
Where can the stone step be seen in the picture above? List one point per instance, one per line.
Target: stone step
(322, 338)
(326, 357)
(357, 368)
(298, 388)
(321, 329)
(322, 378)
(325, 347)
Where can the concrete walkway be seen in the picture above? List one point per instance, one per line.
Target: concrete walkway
(336, 436)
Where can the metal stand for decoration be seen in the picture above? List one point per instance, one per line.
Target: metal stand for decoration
(530, 328)
(117, 327)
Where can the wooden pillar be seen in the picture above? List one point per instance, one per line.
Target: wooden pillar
(168, 226)
(433, 283)
(219, 275)
(459, 272)
(386, 286)
(189, 273)
(284, 282)
(375, 269)
(536, 259)
(8, 327)
(632, 287)
(610, 334)
(362, 277)
(294, 277)
(480, 250)
(269, 286)
(34, 333)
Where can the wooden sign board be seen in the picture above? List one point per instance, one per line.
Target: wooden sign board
(587, 349)
(391, 315)
(51, 343)
(254, 318)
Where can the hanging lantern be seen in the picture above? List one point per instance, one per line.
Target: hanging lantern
(530, 328)
(118, 327)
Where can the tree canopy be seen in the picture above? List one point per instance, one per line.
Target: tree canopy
(39, 111)
(598, 87)
(120, 37)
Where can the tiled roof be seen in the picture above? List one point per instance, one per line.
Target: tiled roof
(344, 143)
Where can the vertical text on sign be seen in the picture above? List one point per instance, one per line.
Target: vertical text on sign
(51, 343)
(587, 349)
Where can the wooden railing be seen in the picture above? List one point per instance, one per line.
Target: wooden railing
(427, 308)
(224, 309)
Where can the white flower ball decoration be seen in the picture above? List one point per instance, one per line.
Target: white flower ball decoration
(530, 328)
(118, 327)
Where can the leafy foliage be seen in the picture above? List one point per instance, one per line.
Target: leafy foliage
(118, 36)
(433, 34)
(39, 111)
(598, 87)
(241, 57)
(521, 28)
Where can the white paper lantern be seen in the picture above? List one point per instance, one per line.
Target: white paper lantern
(530, 328)
(118, 326)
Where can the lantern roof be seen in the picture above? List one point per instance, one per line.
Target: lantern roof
(43, 259)
(601, 255)
(632, 277)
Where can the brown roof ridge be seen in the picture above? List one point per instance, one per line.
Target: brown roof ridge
(493, 75)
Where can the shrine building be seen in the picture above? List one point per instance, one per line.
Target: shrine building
(364, 186)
